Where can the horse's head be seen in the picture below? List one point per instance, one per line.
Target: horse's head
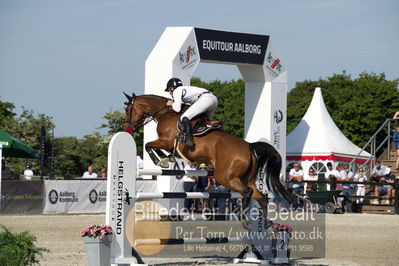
(133, 115)
(142, 109)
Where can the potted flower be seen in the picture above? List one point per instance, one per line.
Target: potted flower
(280, 242)
(97, 239)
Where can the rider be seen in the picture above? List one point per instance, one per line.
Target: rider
(200, 101)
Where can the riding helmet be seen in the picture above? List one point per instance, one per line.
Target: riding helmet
(173, 82)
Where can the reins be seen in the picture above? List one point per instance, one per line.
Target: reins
(147, 118)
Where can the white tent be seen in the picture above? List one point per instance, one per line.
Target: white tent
(317, 140)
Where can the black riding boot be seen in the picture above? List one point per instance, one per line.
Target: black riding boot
(185, 136)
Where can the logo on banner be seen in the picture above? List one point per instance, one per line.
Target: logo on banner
(101, 196)
(278, 116)
(62, 196)
(274, 65)
(188, 57)
(93, 196)
(53, 196)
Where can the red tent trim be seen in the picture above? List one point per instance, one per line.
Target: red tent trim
(330, 157)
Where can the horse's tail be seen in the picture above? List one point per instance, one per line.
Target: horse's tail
(269, 166)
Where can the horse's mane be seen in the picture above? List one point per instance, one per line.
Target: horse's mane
(156, 96)
(170, 111)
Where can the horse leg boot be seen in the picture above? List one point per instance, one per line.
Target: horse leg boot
(153, 157)
(268, 223)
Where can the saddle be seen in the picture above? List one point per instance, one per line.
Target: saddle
(201, 125)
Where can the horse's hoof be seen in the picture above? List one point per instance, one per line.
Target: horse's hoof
(271, 232)
(164, 163)
(171, 159)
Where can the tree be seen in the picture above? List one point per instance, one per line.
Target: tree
(115, 122)
(93, 150)
(357, 106)
(67, 161)
(27, 128)
(6, 113)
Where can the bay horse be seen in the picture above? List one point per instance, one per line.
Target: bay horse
(236, 162)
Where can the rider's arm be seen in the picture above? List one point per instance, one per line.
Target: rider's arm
(177, 97)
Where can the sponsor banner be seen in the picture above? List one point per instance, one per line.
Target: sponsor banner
(273, 64)
(231, 47)
(121, 186)
(187, 58)
(279, 119)
(22, 197)
(74, 196)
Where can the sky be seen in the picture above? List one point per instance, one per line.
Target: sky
(72, 59)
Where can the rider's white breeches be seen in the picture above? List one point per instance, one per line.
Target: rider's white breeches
(207, 103)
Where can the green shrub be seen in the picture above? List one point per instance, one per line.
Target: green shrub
(19, 248)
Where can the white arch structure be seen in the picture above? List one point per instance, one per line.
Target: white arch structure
(179, 51)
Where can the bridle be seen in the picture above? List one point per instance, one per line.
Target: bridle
(147, 118)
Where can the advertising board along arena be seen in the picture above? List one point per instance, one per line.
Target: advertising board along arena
(178, 53)
(122, 196)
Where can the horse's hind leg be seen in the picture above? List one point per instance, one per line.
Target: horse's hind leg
(246, 193)
(268, 224)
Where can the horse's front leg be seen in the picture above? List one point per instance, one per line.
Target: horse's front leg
(155, 147)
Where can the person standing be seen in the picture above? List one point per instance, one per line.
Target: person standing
(360, 176)
(346, 175)
(189, 186)
(311, 186)
(103, 172)
(140, 162)
(311, 177)
(395, 139)
(331, 175)
(295, 182)
(202, 185)
(28, 173)
(89, 173)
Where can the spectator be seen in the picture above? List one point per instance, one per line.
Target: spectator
(221, 202)
(211, 187)
(360, 176)
(89, 173)
(311, 186)
(189, 186)
(346, 175)
(202, 184)
(28, 173)
(377, 172)
(140, 162)
(396, 116)
(387, 182)
(311, 177)
(295, 182)
(103, 172)
(331, 175)
(395, 139)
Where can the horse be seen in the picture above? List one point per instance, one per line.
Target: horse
(236, 162)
